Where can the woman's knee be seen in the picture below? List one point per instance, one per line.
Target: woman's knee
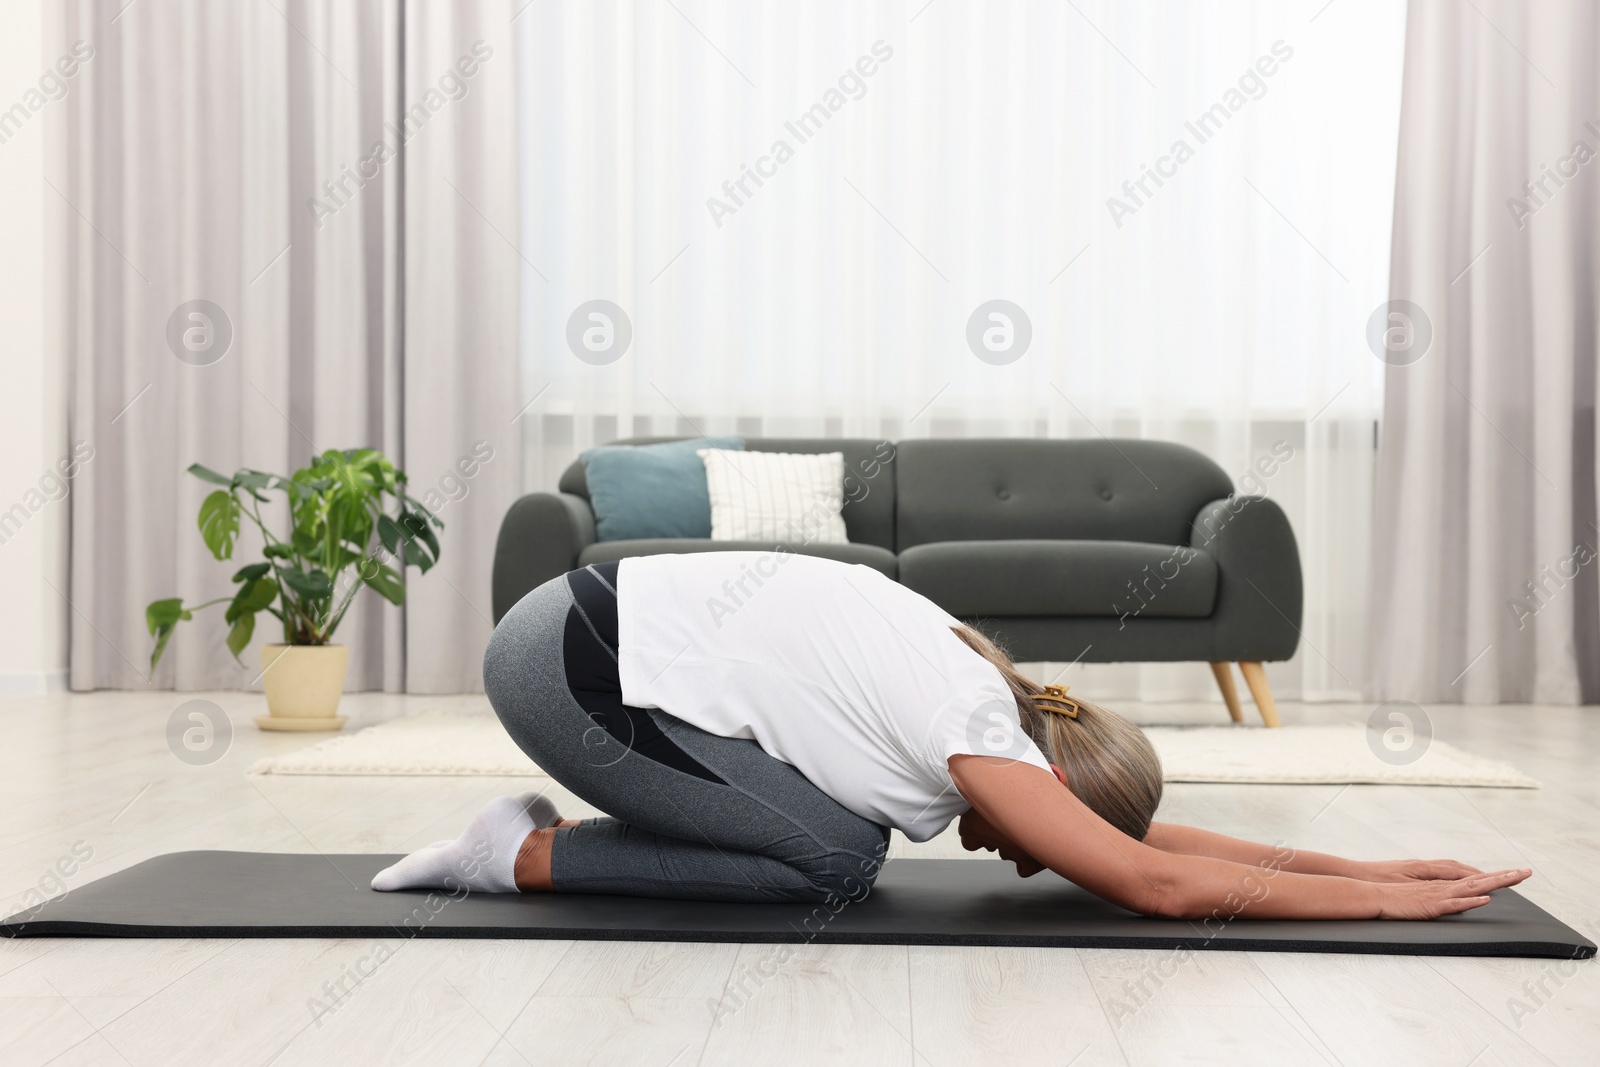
(847, 874)
(836, 889)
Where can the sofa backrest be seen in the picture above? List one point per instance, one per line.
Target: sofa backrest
(869, 479)
(956, 489)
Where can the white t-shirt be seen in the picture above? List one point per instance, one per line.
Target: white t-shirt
(846, 675)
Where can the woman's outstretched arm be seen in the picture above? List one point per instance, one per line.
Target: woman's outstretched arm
(1050, 824)
(1193, 841)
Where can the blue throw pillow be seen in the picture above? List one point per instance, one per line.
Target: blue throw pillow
(641, 491)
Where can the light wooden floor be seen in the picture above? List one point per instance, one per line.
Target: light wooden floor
(95, 768)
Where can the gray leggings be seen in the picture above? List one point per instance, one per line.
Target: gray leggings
(747, 827)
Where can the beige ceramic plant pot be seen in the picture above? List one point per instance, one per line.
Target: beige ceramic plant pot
(303, 684)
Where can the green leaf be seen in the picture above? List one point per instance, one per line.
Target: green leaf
(206, 474)
(314, 586)
(306, 544)
(411, 503)
(162, 617)
(252, 598)
(417, 530)
(390, 534)
(278, 551)
(252, 480)
(255, 481)
(163, 635)
(165, 613)
(219, 522)
(244, 627)
(385, 580)
(252, 572)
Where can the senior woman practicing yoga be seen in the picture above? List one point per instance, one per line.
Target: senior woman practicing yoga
(754, 723)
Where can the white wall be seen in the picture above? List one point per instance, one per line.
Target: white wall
(33, 429)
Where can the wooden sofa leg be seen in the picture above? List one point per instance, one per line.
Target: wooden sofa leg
(1230, 695)
(1256, 678)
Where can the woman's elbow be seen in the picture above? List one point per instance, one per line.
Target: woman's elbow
(1159, 896)
(1166, 903)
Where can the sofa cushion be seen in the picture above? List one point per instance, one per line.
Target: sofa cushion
(1080, 578)
(775, 496)
(1100, 490)
(869, 478)
(651, 490)
(606, 551)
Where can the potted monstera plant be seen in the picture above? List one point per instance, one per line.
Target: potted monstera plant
(341, 537)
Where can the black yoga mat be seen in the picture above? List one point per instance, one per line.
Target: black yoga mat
(915, 902)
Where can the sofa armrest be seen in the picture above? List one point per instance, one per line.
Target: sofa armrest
(540, 538)
(1259, 594)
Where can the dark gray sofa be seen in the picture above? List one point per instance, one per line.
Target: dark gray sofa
(1088, 550)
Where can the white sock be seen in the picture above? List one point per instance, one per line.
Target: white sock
(483, 858)
(540, 808)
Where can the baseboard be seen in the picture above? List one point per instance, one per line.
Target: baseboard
(32, 683)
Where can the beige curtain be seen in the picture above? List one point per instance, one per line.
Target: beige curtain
(1485, 564)
(463, 264)
(230, 153)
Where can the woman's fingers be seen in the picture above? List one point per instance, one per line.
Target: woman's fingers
(1473, 891)
(1414, 870)
(1460, 904)
(1449, 869)
(1498, 879)
(1484, 883)
(1437, 869)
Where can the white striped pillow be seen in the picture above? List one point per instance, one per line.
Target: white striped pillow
(792, 497)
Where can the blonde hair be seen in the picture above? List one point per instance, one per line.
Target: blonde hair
(1109, 762)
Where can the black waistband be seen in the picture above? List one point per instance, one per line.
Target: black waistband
(594, 590)
(589, 648)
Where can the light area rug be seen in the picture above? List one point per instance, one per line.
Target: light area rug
(448, 743)
(1318, 755)
(428, 743)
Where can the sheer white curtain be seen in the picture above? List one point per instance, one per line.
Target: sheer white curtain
(918, 160)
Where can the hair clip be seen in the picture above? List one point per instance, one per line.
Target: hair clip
(1055, 699)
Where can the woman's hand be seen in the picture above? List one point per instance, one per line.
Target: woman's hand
(1409, 870)
(978, 833)
(1431, 899)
